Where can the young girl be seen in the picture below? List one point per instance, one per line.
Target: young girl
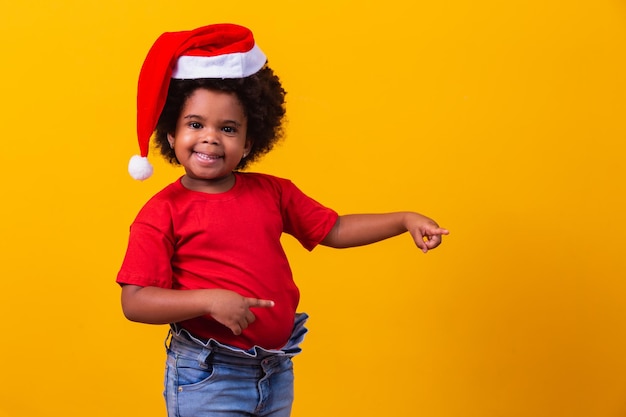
(204, 254)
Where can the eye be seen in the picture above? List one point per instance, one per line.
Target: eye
(195, 125)
(229, 130)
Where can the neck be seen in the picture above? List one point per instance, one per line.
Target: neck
(210, 186)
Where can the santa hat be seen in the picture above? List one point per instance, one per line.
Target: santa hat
(214, 51)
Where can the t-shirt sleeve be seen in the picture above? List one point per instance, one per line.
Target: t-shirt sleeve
(304, 218)
(150, 247)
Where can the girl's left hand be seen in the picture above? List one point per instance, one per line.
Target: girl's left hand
(425, 231)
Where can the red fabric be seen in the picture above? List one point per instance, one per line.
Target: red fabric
(187, 240)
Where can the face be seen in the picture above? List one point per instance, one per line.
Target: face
(210, 139)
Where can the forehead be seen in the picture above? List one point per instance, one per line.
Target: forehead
(205, 102)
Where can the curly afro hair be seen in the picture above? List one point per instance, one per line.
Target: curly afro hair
(261, 95)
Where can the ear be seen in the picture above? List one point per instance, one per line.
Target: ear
(170, 139)
(247, 147)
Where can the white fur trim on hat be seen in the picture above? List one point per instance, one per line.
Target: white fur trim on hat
(233, 65)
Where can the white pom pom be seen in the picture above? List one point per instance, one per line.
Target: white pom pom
(139, 167)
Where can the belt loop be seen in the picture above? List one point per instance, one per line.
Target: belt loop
(203, 357)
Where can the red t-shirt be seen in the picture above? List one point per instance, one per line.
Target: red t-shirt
(185, 239)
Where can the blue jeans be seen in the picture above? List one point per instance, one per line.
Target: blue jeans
(208, 379)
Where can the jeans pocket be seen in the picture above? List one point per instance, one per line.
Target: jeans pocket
(189, 372)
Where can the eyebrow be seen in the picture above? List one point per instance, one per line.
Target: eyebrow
(193, 116)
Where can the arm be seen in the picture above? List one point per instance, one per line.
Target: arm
(362, 229)
(154, 305)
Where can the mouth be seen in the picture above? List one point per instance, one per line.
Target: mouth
(207, 157)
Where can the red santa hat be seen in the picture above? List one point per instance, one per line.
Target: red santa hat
(214, 51)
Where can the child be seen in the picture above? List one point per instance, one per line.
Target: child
(204, 254)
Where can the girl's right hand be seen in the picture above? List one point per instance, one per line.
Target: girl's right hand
(233, 310)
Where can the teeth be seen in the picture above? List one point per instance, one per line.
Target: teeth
(207, 157)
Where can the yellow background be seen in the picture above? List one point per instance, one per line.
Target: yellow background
(503, 120)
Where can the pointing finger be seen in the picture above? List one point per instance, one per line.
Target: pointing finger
(255, 302)
(436, 230)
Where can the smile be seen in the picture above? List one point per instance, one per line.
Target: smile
(207, 157)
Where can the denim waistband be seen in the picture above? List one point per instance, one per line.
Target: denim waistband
(182, 341)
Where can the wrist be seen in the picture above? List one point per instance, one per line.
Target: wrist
(408, 218)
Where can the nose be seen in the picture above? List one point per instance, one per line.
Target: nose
(211, 136)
